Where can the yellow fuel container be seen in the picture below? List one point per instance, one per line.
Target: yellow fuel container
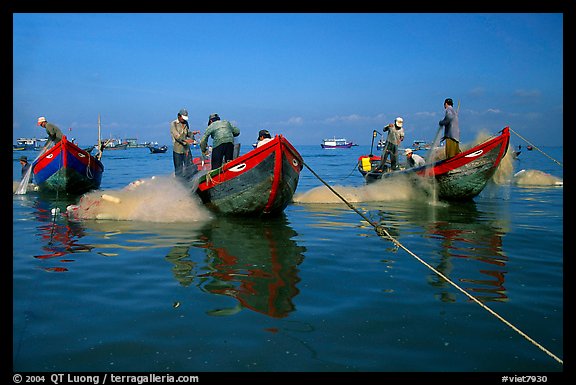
(366, 165)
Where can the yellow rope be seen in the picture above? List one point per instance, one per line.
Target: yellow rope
(554, 160)
(381, 231)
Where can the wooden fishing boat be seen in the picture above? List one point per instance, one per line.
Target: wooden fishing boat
(68, 169)
(261, 182)
(158, 150)
(459, 178)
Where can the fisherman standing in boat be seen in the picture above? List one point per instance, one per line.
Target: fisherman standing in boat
(182, 137)
(222, 133)
(451, 129)
(395, 137)
(54, 133)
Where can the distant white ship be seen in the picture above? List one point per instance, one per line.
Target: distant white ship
(31, 143)
(336, 143)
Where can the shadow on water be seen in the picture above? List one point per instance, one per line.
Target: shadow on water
(255, 262)
(459, 233)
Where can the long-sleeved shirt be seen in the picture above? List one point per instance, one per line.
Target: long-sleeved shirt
(54, 133)
(221, 131)
(450, 123)
(180, 132)
(416, 160)
(395, 134)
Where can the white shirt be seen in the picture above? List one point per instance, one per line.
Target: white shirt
(416, 161)
(263, 141)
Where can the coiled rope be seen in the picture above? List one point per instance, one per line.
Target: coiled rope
(383, 232)
(536, 147)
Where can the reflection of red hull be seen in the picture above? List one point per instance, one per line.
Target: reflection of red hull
(253, 261)
(461, 177)
(67, 168)
(260, 182)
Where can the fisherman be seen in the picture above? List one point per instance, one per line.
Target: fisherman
(25, 165)
(451, 129)
(54, 133)
(223, 134)
(263, 137)
(182, 138)
(413, 160)
(395, 137)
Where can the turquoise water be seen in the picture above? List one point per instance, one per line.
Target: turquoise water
(316, 290)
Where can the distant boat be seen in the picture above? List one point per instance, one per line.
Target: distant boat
(336, 143)
(158, 149)
(30, 143)
(115, 144)
(421, 145)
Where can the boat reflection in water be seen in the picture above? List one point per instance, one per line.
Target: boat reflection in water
(255, 262)
(462, 234)
(251, 260)
(60, 237)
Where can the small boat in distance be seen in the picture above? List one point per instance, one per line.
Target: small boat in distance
(115, 144)
(420, 145)
(336, 143)
(30, 143)
(155, 149)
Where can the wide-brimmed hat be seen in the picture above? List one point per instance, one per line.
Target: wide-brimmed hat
(407, 151)
(23, 158)
(41, 120)
(399, 121)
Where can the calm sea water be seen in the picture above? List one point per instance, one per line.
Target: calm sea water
(166, 287)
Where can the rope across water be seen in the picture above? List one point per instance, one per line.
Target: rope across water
(383, 232)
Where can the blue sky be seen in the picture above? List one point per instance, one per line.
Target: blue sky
(306, 76)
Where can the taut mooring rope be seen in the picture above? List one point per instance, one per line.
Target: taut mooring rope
(381, 231)
(554, 160)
